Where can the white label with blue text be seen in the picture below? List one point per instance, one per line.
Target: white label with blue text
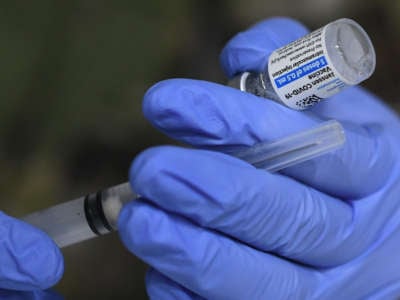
(301, 72)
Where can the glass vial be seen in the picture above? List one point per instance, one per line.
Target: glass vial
(313, 67)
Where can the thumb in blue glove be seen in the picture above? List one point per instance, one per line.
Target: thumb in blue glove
(29, 260)
(212, 226)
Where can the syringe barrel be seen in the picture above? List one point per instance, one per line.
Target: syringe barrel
(66, 223)
(84, 218)
(314, 67)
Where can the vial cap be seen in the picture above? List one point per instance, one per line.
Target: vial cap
(350, 50)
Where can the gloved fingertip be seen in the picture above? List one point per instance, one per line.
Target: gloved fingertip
(134, 227)
(160, 287)
(145, 166)
(33, 260)
(250, 49)
(190, 110)
(153, 98)
(162, 102)
(152, 234)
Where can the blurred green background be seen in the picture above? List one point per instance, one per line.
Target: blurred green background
(72, 78)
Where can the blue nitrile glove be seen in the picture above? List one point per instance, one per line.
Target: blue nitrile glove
(212, 226)
(29, 261)
(30, 295)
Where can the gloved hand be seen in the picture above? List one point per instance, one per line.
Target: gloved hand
(212, 226)
(29, 261)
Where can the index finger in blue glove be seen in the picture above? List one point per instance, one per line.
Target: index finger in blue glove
(209, 115)
(29, 259)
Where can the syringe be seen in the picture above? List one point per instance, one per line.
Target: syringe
(97, 214)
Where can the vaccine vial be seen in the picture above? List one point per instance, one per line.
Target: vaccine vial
(313, 67)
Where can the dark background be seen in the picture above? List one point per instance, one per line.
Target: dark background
(72, 78)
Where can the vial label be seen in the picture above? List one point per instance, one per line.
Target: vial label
(302, 73)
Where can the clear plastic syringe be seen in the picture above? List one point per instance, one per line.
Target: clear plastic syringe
(314, 67)
(97, 214)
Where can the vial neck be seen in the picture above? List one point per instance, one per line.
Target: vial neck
(260, 85)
